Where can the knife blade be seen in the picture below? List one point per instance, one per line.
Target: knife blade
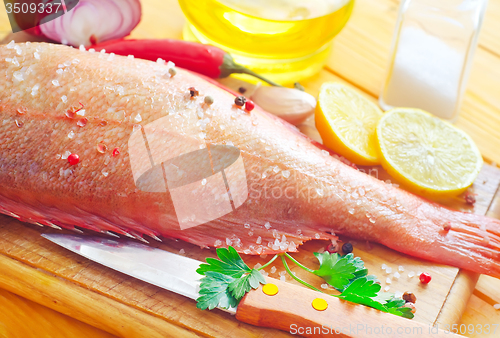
(289, 310)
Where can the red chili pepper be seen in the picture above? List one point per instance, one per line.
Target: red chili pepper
(204, 59)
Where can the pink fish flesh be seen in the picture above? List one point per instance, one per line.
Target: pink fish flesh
(277, 191)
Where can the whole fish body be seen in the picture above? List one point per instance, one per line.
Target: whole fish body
(56, 101)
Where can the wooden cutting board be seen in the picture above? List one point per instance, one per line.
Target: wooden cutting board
(45, 273)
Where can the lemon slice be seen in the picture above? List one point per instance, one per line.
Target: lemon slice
(426, 154)
(346, 122)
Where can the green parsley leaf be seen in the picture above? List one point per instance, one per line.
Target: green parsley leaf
(366, 292)
(339, 271)
(230, 264)
(241, 286)
(214, 291)
(226, 280)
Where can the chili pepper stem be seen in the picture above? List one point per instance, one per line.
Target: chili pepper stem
(229, 67)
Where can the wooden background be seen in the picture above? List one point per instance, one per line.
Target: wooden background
(359, 59)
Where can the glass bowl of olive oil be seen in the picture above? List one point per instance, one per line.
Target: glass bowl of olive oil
(284, 40)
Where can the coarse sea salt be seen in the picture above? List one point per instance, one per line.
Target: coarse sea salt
(55, 83)
(496, 306)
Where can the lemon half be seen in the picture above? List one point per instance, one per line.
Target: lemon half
(427, 155)
(346, 122)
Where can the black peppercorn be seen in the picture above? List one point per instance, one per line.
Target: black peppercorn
(242, 90)
(347, 248)
(193, 92)
(409, 297)
(240, 101)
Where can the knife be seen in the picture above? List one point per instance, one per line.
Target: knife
(290, 309)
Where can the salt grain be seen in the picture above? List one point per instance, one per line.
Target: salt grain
(384, 266)
(18, 76)
(64, 98)
(65, 155)
(55, 83)
(259, 240)
(388, 280)
(273, 269)
(204, 181)
(396, 275)
(11, 45)
(36, 55)
(111, 57)
(59, 71)
(82, 48)
(411, 274)
(387, 288)
(496, 306)
(283, 278)
(267, 225)
(324, 286)
(182, 251)
(71, 134)
(401, 268)
(130, 57)
(388, 270)
(285, 173)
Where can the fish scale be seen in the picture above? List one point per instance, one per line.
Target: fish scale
(313, 191)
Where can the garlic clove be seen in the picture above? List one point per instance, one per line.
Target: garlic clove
(292, 105)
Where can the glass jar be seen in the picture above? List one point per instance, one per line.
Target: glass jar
(432, 53)
(284, 40)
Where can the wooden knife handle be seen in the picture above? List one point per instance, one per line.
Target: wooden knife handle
(291, 310)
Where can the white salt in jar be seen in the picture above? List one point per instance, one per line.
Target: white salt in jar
(432, 52)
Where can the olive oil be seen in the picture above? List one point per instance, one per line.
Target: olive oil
(286, 40)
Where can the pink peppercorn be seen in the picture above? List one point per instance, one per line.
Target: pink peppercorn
(73, 159)
(425, 278)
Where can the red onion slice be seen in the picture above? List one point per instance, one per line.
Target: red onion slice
(93, 21)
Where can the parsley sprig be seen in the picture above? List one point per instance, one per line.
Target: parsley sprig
(227, 279)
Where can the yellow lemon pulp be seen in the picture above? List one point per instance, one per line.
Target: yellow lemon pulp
(426, 154)
(346, 122)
